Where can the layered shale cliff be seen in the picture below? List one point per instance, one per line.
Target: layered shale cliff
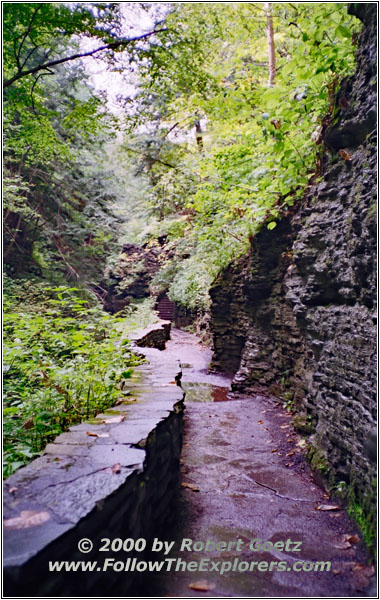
(297, 315)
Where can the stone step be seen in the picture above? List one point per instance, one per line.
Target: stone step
(165, 308)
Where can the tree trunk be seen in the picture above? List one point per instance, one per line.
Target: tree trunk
(198, 135)
(270, 38)
(8, 250)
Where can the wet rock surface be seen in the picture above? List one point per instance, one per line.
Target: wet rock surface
(297, 315)
(244, 476)
(112, 477)
(154, 336)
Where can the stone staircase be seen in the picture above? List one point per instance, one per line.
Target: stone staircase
(165, 309)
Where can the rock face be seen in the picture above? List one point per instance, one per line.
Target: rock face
(130, 280)
(297, 315)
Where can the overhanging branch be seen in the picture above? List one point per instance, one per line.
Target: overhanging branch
(59, 61)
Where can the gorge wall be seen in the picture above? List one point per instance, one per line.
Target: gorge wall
(297, 315)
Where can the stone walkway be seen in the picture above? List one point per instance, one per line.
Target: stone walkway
(113, 475)
(245, 477)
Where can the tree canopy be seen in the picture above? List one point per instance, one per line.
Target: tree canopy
(33, 33)
(217, 134)
(259, 131)
(227, 109)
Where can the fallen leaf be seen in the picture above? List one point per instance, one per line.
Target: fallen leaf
(365, 569)
(274, 450)
(263, 412)
(116, 468)
(173, 382)
(119, 401)
(190, 486)
(327, 507)
(284, 426)
(336, 571)
(342, 545)
(202, 586)
(260, 422)
(344, 155)
(290, 453)
(28, 424)
(301, 444)
(349, 537)
(362, 575)
(290, 441)
(276, 123)
(100, 435)
(118, 419)
(12, 490)
(279, 454)
(27, 518)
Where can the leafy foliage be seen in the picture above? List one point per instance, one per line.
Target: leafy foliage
(65, 360)
(207, 155)
(58, 206)
(258, 148)
(36, 35)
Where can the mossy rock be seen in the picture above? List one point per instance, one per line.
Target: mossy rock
(302, 424)
(275, 389)
(362, 509)
(318, 460)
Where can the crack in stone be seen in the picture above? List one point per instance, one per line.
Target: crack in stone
(52, 485)
(278, 494)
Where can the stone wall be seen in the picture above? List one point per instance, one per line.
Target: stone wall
(297, 315)
(114, 477)
(154, 336)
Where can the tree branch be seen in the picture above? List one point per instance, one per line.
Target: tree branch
(171, 129)
(28, 57)
(34, 85)
(59, 61)
(271, 50)
(27, 32)
(153, 159)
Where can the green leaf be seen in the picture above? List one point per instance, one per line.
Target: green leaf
(343, 31)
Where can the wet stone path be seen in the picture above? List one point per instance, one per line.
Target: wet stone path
(245, 478)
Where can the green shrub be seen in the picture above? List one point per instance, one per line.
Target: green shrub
(63, 363)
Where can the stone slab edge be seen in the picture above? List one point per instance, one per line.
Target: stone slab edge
(91, 464)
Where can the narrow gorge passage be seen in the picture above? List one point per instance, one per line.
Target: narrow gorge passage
(245, 477)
